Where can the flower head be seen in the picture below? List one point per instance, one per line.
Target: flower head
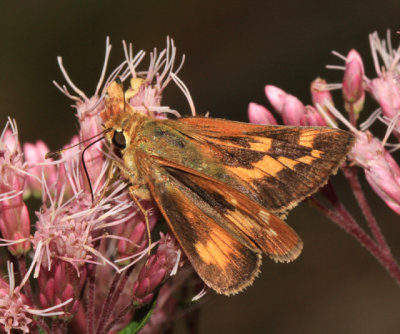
(381, 170)
(14, 310)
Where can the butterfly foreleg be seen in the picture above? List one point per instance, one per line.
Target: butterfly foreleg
(110, 177)
(138, 191)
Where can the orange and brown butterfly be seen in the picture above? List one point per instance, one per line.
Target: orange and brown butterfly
(223, 187)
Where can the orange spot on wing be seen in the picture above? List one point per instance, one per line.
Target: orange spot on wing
(263, 144)
(306, 159)
(217, 249)
(316, 154)
(307, 138)
(261, 168)
(288, 162)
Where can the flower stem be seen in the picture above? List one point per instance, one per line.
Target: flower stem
(117, 294)
(352, 115)
(106, 305)
(351, 176)
(91, 299)
(43, 326)
(119, 316)
(340, 216)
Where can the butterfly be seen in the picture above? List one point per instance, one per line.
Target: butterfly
(223, 187)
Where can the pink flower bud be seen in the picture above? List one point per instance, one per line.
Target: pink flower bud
(258, 114)
(321, 96)
(10, 141)
(311, 117)
(34, 154)
(353, 90)
(288, 106)
(14, 216)
(11, 162)
(15, 224)
(150, 277)
(156, 269)
(60, 284)
(319, 93)
(136, 233)
(276, 97)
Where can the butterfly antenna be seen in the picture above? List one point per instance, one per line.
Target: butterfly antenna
(56, 154)
(84, 165)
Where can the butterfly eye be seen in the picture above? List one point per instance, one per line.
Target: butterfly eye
(119, 140)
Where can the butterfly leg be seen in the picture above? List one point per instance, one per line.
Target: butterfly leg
(137, 192)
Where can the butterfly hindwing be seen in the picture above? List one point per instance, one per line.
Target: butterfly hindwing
(226, 260)
(221, 230)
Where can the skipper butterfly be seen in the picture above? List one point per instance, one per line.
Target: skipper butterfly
(223, 187)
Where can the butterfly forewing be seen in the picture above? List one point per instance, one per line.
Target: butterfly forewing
(281, 165)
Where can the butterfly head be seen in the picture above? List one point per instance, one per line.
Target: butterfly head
(120, 120)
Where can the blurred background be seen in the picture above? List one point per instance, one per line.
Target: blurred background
(233, 49)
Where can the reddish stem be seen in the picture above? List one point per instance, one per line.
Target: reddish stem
(119, 316)
(91, 299)
(343, 218)
(116, 295)
(351, 175)
(106, 305)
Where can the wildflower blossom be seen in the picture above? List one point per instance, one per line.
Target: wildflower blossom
(14, 309)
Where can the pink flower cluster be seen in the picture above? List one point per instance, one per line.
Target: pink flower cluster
(73, 239)
(370, 153)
